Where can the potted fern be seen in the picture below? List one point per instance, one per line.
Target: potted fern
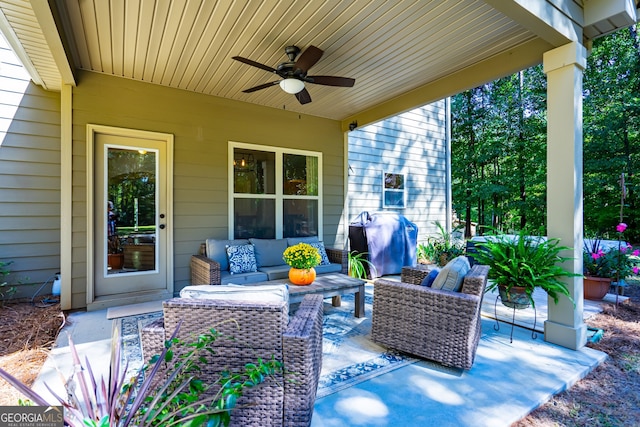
(519, 264)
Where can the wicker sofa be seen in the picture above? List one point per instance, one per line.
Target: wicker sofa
(211, 266)
(260, 329)
(439, 325)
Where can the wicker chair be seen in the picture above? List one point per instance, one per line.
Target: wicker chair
(439, 325)
(260, 330)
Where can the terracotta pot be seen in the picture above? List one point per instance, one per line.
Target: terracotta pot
(301, 276)
(115, 261)
(595, 288)
(517, 297)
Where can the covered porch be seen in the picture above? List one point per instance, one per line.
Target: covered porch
(165, 70)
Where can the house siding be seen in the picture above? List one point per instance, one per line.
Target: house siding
(414, 144)
(202, 127)
(29, 177)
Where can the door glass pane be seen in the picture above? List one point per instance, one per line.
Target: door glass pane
(253, 171)
(300, 175)
(131, 210)
(254, 218)
(300, 218)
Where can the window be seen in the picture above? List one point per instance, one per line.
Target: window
(393, 190)
(274, 192)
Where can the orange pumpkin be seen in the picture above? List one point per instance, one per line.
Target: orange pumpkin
(301, 276)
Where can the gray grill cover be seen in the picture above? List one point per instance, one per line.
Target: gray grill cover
(390, 241)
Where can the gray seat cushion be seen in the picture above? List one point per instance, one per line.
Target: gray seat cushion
(269, 251)
(295, 240)
(217, 250)
(328, 268)
(242, 278)
(276, 271)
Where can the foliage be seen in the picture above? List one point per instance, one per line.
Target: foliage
(499, 143)
(358, 264)
(525, 260)
(5, 290)
(302, 255)
(114, 245)
(425, 253)
(176, 401)
(498, 152)
(619, 262)
(611, 131)
(443, 247)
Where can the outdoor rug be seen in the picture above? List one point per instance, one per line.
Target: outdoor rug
(349, 356)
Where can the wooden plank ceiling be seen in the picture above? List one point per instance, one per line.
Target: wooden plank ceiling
(389, 46)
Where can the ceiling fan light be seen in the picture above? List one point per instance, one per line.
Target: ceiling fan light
(292, 86)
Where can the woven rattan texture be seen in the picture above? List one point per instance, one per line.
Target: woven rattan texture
(204, 271)
(433, 324)
(416, 274)
(250, 331)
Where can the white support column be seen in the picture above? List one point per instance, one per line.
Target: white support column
(564, 68)
(66, 226)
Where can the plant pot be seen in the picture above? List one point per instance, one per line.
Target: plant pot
(517, 297)
(115, 261)
(302, 276)
(595, 288)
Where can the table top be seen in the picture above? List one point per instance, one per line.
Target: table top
(323, 282)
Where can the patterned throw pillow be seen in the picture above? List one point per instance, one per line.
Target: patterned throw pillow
(241, 259)
(324, 259)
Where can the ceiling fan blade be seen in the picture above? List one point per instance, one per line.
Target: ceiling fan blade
(260, 87)
(254, 64)
(331, 81)
(308, 58)
(303, 96)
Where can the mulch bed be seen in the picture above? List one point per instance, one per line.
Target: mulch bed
(610, 395)
(27, 333)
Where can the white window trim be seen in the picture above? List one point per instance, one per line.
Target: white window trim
(393, 190)
(279, 197)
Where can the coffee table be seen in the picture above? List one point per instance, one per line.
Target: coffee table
(329, 285)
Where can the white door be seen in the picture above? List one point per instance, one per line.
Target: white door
(131, 220)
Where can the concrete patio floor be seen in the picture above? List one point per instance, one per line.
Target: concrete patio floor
(506, 382)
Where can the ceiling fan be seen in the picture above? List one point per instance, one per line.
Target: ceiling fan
(294, 73)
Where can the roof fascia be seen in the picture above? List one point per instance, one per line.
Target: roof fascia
(42, 11)
(18, 49)
(524, 56)
(556, 21)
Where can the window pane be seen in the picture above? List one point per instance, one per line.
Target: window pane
(394, 181)
(253, 171)
(394, 199)
(131, 218)
(254, 218)
(300, 175)
(300, 218)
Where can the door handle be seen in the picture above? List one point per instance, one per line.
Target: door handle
(162, 226)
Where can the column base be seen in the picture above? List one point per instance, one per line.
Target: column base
(565, 336)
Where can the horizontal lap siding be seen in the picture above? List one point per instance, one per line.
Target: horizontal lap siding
(202, 126)
(414, 144)
(29, 177)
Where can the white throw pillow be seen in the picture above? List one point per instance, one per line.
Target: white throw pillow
(262, 293)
